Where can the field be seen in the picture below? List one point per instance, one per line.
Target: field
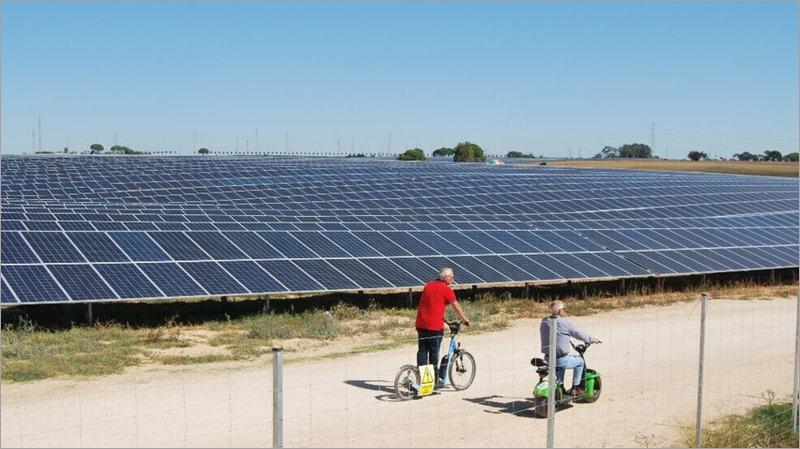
(784, 169)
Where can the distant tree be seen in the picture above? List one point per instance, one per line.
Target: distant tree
(468, 152)
(96, 148)
(608, 152)
(412, 155)
(635, 150)
(203, 151)
(66, 150)
(697, 155)
(791, 157)
(515, 154)
(116, 149)
(444, 151)
(772, 155)
(746, 156)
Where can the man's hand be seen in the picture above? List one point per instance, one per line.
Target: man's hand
(466, 322)
(595, 340)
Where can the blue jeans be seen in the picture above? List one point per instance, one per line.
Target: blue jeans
(428, 352)
(569, 362)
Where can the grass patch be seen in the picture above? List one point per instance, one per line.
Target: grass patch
(769, 425)
(31, 353)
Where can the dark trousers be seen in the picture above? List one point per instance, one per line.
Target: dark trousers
(428, 352)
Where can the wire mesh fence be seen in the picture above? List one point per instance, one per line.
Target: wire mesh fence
(648, 362)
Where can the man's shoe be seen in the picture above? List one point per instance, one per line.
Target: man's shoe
(577, 391)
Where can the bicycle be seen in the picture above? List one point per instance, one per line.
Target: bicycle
(457, 367)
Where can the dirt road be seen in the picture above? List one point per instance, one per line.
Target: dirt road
(649, 362)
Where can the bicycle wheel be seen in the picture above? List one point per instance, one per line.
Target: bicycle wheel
(462, 370)
(404, 381)
(598, 387)
(540, 407)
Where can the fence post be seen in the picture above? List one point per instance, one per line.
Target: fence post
(699, 424)
(795, 392)
(410, 298)
(277, 397)
(551, 392)
(89, 314)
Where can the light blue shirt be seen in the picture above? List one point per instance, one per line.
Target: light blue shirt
(564, 330)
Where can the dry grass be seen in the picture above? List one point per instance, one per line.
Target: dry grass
(31, 353)
(769, 425)
(785, 169)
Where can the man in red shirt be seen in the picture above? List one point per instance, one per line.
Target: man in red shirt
(430, 317)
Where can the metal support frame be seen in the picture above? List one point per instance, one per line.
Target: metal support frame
(410, 298)
(551, 392)
(699, 423)
(89, 314)
(277, 397)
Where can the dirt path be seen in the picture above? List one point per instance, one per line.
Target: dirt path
(648, 360)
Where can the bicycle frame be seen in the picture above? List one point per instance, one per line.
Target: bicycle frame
(450, 352)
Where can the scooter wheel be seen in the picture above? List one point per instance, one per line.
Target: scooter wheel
(598, 387)
(540, 407)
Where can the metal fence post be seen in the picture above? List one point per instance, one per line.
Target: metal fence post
(551, 393)
(699, 424)
(795, 392)
(277, 397)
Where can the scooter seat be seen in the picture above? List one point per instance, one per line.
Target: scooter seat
(536, 361)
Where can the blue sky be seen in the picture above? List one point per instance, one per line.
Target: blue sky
(549, 78)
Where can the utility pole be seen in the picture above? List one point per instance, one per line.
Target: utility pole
(33, 140)
(40, 133)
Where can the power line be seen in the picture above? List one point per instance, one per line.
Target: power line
(40, 133)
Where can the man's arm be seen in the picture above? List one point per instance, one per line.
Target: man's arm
(578, 334)
(457, 309)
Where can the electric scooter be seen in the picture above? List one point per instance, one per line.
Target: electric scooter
(591, 382)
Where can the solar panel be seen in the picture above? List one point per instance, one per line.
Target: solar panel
(106, 228)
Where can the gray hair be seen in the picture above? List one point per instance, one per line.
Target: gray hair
(445, 272)
(555, 306)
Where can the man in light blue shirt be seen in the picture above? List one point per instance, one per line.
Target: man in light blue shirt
(564, 330)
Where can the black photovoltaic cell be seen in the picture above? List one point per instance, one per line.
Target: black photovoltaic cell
(557, 267)
(352, 244)
(507, 268)
(53, 247)
(573, 261)
(682, 258)
(360, 274)
(213, 278)
(6, 297)
(139, 247)
(486, 240)
(411, 244)
(381, 244)
(253, 245)
(82, 283)
(171, 279)
(326, 275)
(216, 245)
(417, 268)
(468, 245)
(533, 239)
(620, 265)
(14, 249)
(463, 274)
(323, 246)
(517, 245)
(252, 276)
(539, 271)
(128, 281)
(291, 276)
(480, 269)
(97, 247)
(438, 243)
(32, 283)
(178, 245)
(392, 272)
(288, 246)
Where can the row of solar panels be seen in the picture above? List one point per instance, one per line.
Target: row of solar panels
(198, 223)
(102, 282)
(82, 247)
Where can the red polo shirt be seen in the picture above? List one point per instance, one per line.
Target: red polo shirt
(435, 297)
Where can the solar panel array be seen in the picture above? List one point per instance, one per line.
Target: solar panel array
(141, 227)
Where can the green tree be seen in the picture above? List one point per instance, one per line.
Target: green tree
(635, 150)
(608, 152)
(444, 151)
(96, 148)
(697, 155)
(515, 154)
(203, 151)
(791, 157)
(412, 155)
(468, 152)
(772, 155)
